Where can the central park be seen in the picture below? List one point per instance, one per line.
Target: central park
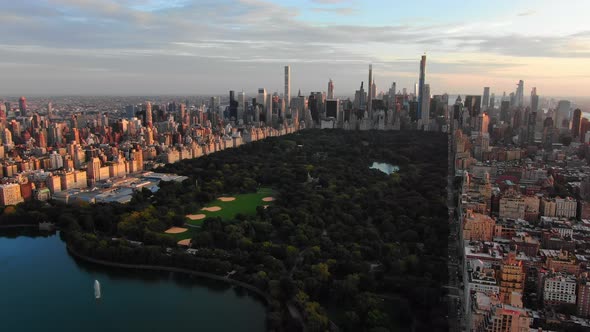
(304, 219)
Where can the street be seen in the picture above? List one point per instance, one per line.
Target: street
(455, 287)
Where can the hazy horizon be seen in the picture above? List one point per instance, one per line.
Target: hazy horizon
(183, 47)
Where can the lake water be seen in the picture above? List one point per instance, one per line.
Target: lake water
(42, 288)
(385, 168)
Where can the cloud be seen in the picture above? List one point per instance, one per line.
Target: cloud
(237, 40)
(525, 46)
(527, 13)
(329, 2)
(337, 11)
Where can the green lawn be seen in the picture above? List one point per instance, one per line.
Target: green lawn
(244, 203)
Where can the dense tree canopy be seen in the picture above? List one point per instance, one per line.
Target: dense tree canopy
(342, 242)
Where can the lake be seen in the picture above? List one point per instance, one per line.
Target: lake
(43, 288)
(385, 168)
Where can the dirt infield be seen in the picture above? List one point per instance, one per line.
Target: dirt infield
(212, 209)
(196, 216)
(268, 199)
(227, 199)
(185, 242)
(175, 230)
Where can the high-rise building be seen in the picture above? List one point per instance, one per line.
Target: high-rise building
(93, 171)
(242, 108)
(505, 111)
(583, 299)
(425, 104)
(261, 99)
(332, 108)
(10, 194)
(531, 124)
(148, 114)
(22, 105)
(492, 100)
(7, 137)
(486, 97)
(370, 94)
(478, 227)
(520, 94)
(391, 96)
(330, 90)
(421, 86)
(268, 110)
(473, 105)
(512, 277)
(562, 113)
(576, 122)
(287, 96)
(360, 98)
(233, 105)
(534, 100)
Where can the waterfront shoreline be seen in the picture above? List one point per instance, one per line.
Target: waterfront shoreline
(259, 294)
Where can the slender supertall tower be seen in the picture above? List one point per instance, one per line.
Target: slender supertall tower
(148, 114)
(22, 105)
(486, 98)
(330, 89)
(425, 104)
(370, 93)
(534, 100)
(287, 95)
(576, 121)
(520, 93)
(421, 85)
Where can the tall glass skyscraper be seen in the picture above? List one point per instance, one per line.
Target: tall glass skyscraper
(421, 86)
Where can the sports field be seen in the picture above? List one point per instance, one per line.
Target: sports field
(227, 207)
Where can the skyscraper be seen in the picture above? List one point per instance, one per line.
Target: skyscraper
(391, 96)
(233, 105)
(287, 96)
(268, 113)
(330, 89)
(534, 100)
(148, 113)
(360, 98)
(531, 123)
(486, 97)
(242, 105)
(473, 104)
(492, 100)
(562, 113)
(424, 103)
(576, 121)
(421, 85)
(520, 94)
(22, 105)
(369, 99)
(261, 100)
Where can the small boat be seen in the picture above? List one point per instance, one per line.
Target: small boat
(96, 289)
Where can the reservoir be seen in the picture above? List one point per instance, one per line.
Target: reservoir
(385, 168)
(43, 288)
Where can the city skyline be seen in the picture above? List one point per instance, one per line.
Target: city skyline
(71, 47)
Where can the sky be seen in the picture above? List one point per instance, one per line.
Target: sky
(196, 47)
